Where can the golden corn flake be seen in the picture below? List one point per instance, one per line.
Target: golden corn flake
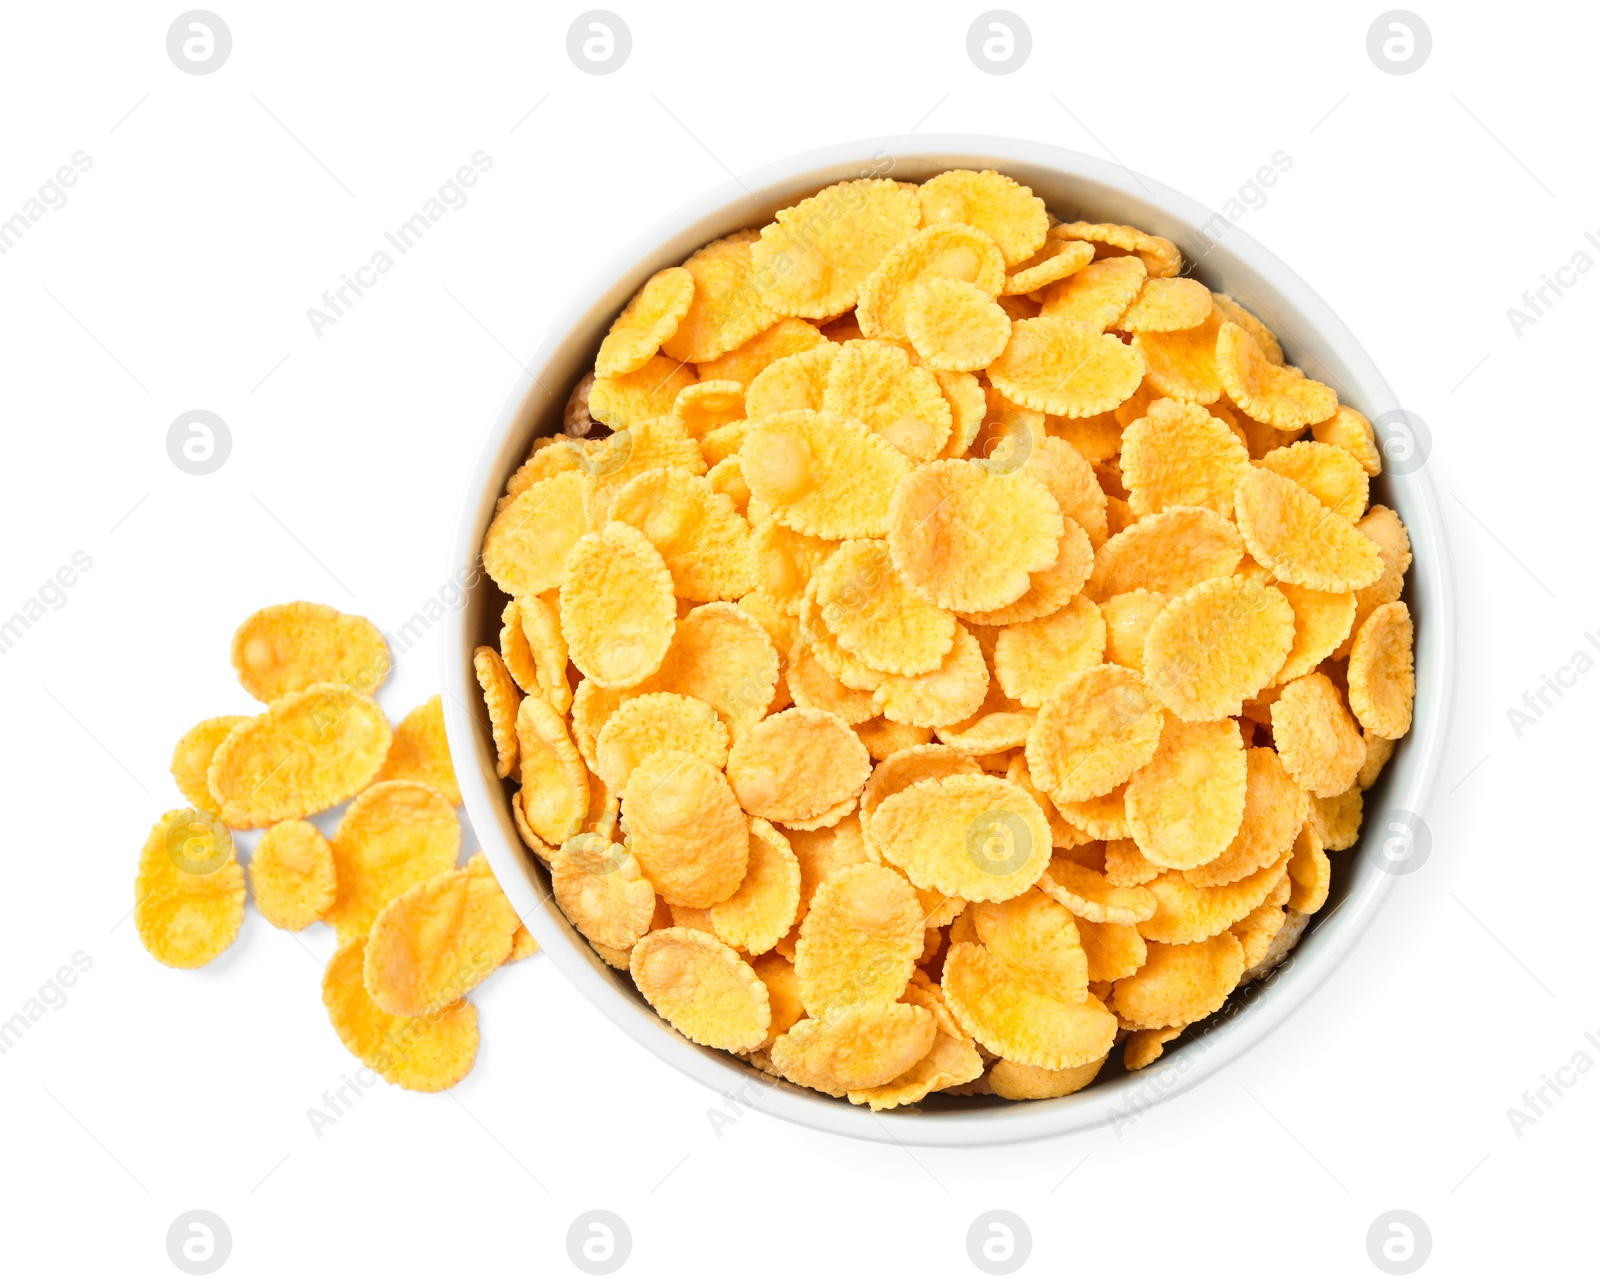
(1180, 454)
(1316, 738)
(189, 893)
(617, 607)
(686, 829)
(764, 906)
(1379, 749)
(1235, 312)
(883, 736)
(968, 835)
(527, 544)
(875, 382)
(954, 326)
(1098, 294)
(1351, 431)
(797, 765)
(515, 650)
(602, 890)
(1160, 257)
(1166, 304)
(1034, 659)
(1183, 364)
(1186, 804)
(1274, 809)
(657, 722)
(1113, 951)
(995, 203)
(501, 698)
(1128, 617)
(292, 874)
(1217, 644)
(860, 939)
(725, 310)
(1103, 818)
(1125, 866)
(999, 724)
(1057, 464)
(1382, 526)
(813, 258)
(438, 940)
(1167, 552)
(1051, 589)
(709, 405)
(191, 759)
(723, 656)
(418, 751)
(727, 479)
(900, 770)
(783, 994)
(1037, 940)
(1180, 984)
(1100, 726)
(874, 615)
(1091, 897)
(1300, 540)
(854, 1048)
(703, 540)
(967, 538)
(952, 250)
(1382, 677)
(622, 401)
(1337, 819)
(785, 561)
(1186, 913)
(792, 383)
(1050, 263)
(1256, 931)
(784, 338)
(1065, 368)
(541, 627)
(555, 783)
(1017, 1023)
(1275, 395)
(551, 456)
(1322, 620)
(288, 647)
(1143, 1048)
(651, 317)
(393, 835)
(813, 688)
(1309, 872)
(822, 474)
(952, 1060)
(1331, 474)
(1011, 1080)
(703, 988)
(428, 1052)
(303, 754)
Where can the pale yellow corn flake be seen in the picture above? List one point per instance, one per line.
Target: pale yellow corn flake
(953, 250)
(723, 443)
(526, 546)
(703, 540)
(1275, 806)
(1276, 395)
(1065, 367)
(813, 259)
(189, 891)
(702, 987)
(860, 938)
(1180, 454)
(1186, 913)
(1049, 590)
(191, 759)
(876, 383)
(1092, 898)
(1351, 431)
(1299, 539)
(501, 699)
(900, 770)
(883, 736)
(621, 401)
(1331, 474)
(1217, 644)
(686, 829)
(1309, 872)
(1316, 736)
(874, 614)
(1114, 951)
(708, 405)
(657, 442)
(855, 1048)
(617, 607)
(1125, 866)
(592, 706)
(1180, 984)
(1183, 364)
(655, 722)
(541, 627)
(785, 562)
(393, 835)
(953, 1060)
(1071, 480)
(967, 538)
(292, 875)
(305, 753)
(550, 456)
(555, 782)
(1186, 804)
(725, 657)
(290, 646)
(1379, 749)
(1382, 672)
(967, 835)
(1128, 617)
(1167, 552)
(1337, 819)
(761, 911)
(1257, 930)
(1017, 1023)
(1322, 620)
(995, 203)
(651, 317)
(797, 765)
(544, 852)
(727, 479)
(813, 688)
(1050, 263)
(822, 474)
(1095, 438)
(999, 724)
(1233, 311)
(420, 753)
(427, 1053)
(965, 395)
(954, 326)
(795, 382)
(784, 338)
(1160, 256)
(1100, 726)
(1034, 659)
(515, 650)
(1384, 528)
(1166, 304)
(601, 889)
(1102, 818)
(726, 308)
(783, 994)
(1037, 940)
(1011, 1080)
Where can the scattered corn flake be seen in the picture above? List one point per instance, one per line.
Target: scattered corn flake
(1274, 809)
(1017, 1023)
(1382, 676)
(708, 405)
(953, 250)
(555, 782)
(873, 613)
(1180, 454)
(954, 326)
(1331, 474)
(292, 874)
(617, 607)
(1217, 644)
(792, 383)
(822, 474)
(726, 309)
(1235, 312)
(1126, 867)
(1276, 395)
(860, 939)
(1036, 938)
(602, 890)
(686, 829)
(1091, 897)
(655, 722)
(855, 1048)
(1160, 256)
(393, 835)
(1351, 431)
(1113, 951)
(189, 892)
(797, 765)
(703, 988)
(1186, 913)
(191, 759)
(1183, 364)
(900, 770)
(1128, 617)
(1299, 539)
(1186, 804)
(1065, 367)
(1034, 659)
(967, 835)
(813, 688)
(814, 257)
(303, 754)
(1098, 728)
(1166, 304)
(1167, 552)
(1322, 620)
(995, 203)
(724, 656)
(290, 646)
(967, 538)
(1179, 984)
(760, 912)
(1309, 872)
(1337, 819)
(703, 540)
(551, 456)
(527, 544)
(1316, 737)
(429, 1052)
(651, 317)
(1050, 263)
(419, 752)
(621, 401)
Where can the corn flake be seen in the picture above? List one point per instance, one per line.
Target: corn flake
(822, 474)
(792, 383)
(952, 250)
(954, 326)
(1300, 540)
(621, 401)
(1167, 552)
(1215, 645)
(1161, 257)
(651, 317)
(1276, 395)
(1381, 675)
(686, 829)
(796, 765)
(191, 759)
(1017, 1023)
(1351, 431)
(617, 608)
(1065, 368)
(286, 648)
(855, 1048)
(1316, 738)
(1101, 725)
(1180, 454)
(393, 836)
(860, 939)
(703, 988)
(292, 874)
(527, 544)
(1331, 474)
(189, 893)
(1183, 364)
(968, 835)
(1186, 804)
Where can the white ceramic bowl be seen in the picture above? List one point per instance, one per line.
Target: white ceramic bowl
(1073, 186)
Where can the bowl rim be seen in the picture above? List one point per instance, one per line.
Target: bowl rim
(1244, 269)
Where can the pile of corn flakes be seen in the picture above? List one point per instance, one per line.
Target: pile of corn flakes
(961, 654)
(416, 931)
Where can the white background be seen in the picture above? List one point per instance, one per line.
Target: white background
(218, 209)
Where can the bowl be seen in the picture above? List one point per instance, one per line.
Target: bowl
(1072, 186)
